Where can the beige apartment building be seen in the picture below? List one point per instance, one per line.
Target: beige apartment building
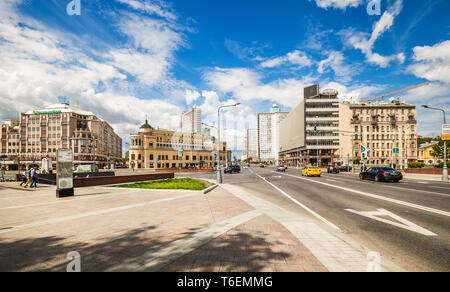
(39, 133)
(381, 126)
(163, 149)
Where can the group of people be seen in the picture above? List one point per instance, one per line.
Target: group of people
(29, 178)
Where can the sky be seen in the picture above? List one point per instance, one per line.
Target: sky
(129, 59)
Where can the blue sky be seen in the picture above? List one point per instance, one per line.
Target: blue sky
(125, 59)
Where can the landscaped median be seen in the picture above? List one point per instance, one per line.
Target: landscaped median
(171, 184)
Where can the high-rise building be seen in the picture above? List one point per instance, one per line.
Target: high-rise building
(39, 133)
(191, 121)
(250, 145)
(269, 133)
(309, 133)
(381, 126)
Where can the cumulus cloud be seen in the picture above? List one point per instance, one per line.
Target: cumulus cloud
(336, 61)
(338, 4)
(361, 41)
(191, 96)
(38, 63)
(432, 62)
(247, 85)
(296, 58)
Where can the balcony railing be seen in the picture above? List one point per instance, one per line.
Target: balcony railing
(323, 119)
(322, 110)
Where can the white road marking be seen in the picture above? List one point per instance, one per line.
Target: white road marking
(405, 224)
(398, 188)
(299, 204)
(331, 180)
(423, 208)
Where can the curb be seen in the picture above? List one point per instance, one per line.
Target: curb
(210, 189)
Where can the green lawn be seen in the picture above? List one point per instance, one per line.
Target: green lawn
(169, 184)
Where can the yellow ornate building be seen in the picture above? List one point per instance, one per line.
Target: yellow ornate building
(425, 154)
(163, 149)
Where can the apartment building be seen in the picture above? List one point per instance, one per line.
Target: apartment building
(39, 133)
(381, 126)
(309, 134)
(250, 151)
(191, 121)
(163, 149)
(269, 134)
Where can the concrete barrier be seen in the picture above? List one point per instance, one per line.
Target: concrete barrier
(424, 170)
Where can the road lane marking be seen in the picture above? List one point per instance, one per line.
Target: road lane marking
(393, 187)
(405, 224)
(411, 205)
(299, 204)
(95, 213)
(331, 180)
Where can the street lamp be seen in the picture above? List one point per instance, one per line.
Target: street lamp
(219, 167)
(445, 170)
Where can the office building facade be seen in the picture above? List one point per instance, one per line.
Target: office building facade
(269, 134)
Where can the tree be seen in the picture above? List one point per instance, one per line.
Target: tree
(438, 149)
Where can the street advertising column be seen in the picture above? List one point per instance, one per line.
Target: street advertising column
(64, 177)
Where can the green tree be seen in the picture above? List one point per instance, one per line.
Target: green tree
(438, 149)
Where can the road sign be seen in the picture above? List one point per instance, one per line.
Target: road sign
(446, 132)
(180, 153)
(363, 149)
(396, 150)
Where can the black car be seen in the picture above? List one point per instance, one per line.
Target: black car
(233, 169)
(345, 169)
(381, 174)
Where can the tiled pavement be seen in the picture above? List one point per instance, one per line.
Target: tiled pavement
(153, 230)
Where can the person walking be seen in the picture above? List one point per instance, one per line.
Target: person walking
(28, 178)
(24, 178)
(33, 178)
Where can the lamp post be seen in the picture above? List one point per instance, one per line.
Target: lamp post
(445, 170)
(219, 166)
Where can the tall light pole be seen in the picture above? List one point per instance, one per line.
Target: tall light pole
(219, 167)
(445, 170)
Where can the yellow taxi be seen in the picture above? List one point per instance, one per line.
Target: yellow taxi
(311, 171)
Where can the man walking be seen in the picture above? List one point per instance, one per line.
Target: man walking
(33, 178)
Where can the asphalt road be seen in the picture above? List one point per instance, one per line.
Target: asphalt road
(409, 224)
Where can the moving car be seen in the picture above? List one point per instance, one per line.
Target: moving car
(345, 169)
(233, 169)
(381, 174)
(281, 168)
(311, 171)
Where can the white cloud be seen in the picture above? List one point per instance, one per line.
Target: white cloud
(360, 40)
(336, 61)
(191, 96)
(296, 58)
(338, 4)
(153, 7)
(247, 85)
(432, 63)
(38, 63)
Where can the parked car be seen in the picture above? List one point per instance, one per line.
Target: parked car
(262, 165)
(345, 169)
(233, 169)
(281, 168)
(312, 171)
(381, 174)
(332, 169)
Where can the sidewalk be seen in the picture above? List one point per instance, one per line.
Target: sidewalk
(183, 231)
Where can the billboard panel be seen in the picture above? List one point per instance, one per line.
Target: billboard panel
(311, 91)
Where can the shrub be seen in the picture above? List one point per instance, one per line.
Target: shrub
(416, 165)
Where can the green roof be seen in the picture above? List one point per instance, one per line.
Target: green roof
(146, 125)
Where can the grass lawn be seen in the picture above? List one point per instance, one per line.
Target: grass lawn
(170, 184)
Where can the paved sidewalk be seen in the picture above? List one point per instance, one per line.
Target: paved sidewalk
(145, 230)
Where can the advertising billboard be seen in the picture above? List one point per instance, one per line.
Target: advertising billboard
(311, 91)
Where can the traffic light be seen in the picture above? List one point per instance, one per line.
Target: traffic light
(315, 130)
(364, 156)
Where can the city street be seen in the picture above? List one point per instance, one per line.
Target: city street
(416, 236)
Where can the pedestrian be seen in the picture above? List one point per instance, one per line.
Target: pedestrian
(24, 178)
(33, 178)
(28, 178)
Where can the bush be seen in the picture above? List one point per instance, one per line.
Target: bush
(416, 165)
(441, 165)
